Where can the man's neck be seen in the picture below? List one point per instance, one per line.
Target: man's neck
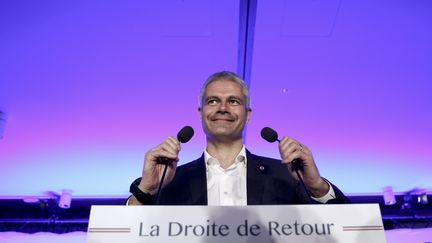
(224, 152)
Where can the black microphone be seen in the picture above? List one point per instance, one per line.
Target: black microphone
(183, 136)
(271, 136)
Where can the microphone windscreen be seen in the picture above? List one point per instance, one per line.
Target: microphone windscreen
(185, 134)
(269, 134)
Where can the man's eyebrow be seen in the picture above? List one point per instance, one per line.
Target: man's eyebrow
(212, 97)
(235, 97)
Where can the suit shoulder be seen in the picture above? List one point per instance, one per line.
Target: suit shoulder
(188, 166)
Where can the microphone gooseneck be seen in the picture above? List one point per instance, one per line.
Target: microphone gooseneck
(271, 136)
(183, 136)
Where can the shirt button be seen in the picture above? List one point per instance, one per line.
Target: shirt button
(226, 193)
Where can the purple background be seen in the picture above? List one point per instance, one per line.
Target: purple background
(88, 87)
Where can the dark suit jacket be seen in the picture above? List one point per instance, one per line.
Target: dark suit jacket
(268, 182)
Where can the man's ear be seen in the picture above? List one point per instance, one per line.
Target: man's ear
(249, 112)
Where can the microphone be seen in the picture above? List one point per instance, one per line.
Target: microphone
(183, 136)
(271, 136)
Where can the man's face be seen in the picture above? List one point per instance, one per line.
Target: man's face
(223, 113)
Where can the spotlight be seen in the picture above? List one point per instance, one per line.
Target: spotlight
(65, 199)
(422, 198)
(62, 200)
(389, 196)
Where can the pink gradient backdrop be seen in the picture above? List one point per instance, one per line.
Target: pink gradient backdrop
(88, 87)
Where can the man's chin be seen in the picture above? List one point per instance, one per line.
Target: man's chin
(222, 129)
(224, 135)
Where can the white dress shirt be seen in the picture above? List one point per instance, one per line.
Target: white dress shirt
(226, 186)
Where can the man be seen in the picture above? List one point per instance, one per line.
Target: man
(228, 174)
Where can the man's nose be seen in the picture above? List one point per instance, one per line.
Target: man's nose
(223, 106)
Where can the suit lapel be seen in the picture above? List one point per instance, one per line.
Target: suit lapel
(198, 182)
(255, 179)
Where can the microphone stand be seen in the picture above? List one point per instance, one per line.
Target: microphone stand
(296, 166)
(166, 162)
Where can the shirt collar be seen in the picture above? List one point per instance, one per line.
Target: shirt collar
(240, 158)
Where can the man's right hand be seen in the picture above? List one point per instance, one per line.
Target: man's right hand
(153, 169)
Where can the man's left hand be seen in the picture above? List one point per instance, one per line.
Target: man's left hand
(291, 150)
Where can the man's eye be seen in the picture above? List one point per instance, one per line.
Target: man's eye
(234, 102)
(211, 102)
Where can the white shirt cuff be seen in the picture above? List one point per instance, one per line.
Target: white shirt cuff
(127, 202)
(330, 195)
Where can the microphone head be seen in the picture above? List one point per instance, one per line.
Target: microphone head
(185, 134)
(269, 134)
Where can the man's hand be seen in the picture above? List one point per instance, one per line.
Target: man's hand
(290, 150)
(152, 171)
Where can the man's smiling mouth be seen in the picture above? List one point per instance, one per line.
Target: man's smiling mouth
(223, 119)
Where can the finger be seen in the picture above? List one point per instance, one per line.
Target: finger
(170, 146)
(173, 143)
(291, 141)
(286, 140)
(173, 155)
(287, 148)
(159, 152)
(297, 155)
(285, 144)
(289, 144)
(305, 149)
